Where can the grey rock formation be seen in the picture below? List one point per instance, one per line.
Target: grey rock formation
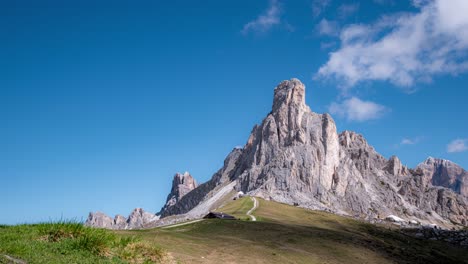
(182, 184)
(138, 218)
(395, 167)
(120, 222)
(445, 173)
(297, 156)
(99, 219)
(206, 190)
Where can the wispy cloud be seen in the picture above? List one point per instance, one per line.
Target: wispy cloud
(264, 22)
(458, 145)
(328, 28)
(318, 6)
(411, 141)
(346, 10)
(355, 109)
(408, 141)
(327, 45)
(384, 2)
(403, 48)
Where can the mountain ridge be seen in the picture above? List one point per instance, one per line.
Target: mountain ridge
(296, 156)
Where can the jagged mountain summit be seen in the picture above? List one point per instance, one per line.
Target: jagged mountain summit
(296, 156)
(138, 218)
(445, 173)
(181, 185)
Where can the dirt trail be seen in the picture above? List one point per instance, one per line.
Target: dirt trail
(181, 224)
(249, 213)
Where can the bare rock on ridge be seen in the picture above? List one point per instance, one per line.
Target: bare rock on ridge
(181, 185)
(138, 218)
(205, 190)
(445, 173)
(297, 156)
(99, 219)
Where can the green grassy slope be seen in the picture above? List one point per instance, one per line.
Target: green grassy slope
(282, 234)
(69, 242)
(238, 208)
(287, 234)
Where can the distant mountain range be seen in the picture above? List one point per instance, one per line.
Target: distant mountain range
(296, 156)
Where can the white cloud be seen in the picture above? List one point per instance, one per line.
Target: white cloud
(328, 28)
(407, 141)
(403, 48)
(346, 10)
(355, 109)
(383, 2)
(458, 145)
(265, 21)
(411, 141)
(318, 6)
(327, 45)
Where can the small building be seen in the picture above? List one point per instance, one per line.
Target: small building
(239, 195)
(217, 215)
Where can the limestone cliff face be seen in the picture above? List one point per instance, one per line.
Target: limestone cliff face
(293, 151)
(205, 190)
(182, 184)
(445, 173)
(297, 156)
(137, 219)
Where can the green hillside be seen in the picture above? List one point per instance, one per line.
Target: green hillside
(287, 234)
(281, 234)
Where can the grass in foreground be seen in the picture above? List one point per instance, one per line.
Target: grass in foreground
(282, 234)
(287, 234)
(70, 242)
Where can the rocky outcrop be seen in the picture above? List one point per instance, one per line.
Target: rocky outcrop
(99, 219)
(296, 156)
(455, 237)
(182, 184)
(395, 167)
(445, 173)
(138, 218)
(207, 189)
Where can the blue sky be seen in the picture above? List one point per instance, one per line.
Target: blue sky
(102, 103)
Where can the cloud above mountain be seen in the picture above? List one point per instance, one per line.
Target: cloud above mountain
(265, 21)
(458, 145)
(403, 48)
(355, 109)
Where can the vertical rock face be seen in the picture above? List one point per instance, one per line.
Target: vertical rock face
(293, 149)
(296, 156)
(395, 167)
(445, 173)
(99, 219)
(182, 184)
(137, 219)
(206, 190)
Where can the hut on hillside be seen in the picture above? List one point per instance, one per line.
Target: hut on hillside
(217, 215)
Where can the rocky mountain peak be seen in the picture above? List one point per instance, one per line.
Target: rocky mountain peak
(441, 172)
(138, 218)
(182, 184)
(296, 156)
(395, 167)
(289, 94)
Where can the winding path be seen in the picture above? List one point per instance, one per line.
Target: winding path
(249, 213)
(181, 224)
